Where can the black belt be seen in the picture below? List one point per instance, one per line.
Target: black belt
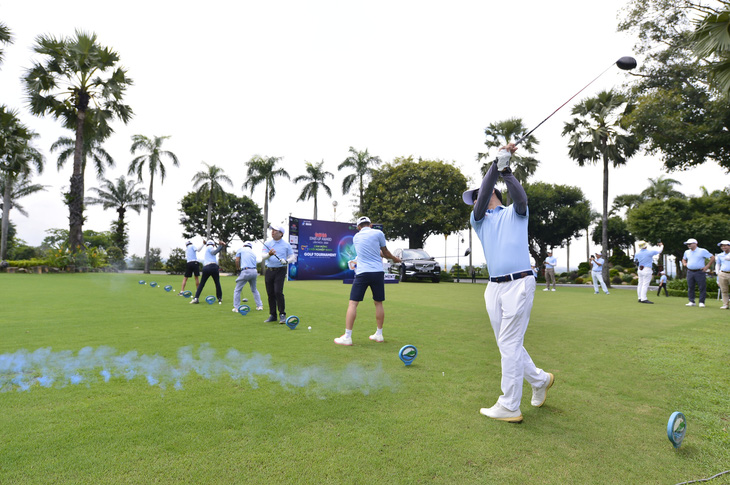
(246, 268)
(694, 269)
(276, 268)
(511, 277)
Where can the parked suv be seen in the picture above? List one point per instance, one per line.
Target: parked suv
(416, 264)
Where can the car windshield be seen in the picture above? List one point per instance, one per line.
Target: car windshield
(415, 254)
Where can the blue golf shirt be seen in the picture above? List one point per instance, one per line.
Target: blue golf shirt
(696, 259)
(368, 242)
(283, 250)
(503, 234)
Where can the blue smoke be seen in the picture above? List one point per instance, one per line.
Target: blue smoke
(23, 370)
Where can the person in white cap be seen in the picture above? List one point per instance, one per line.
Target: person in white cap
(277, 254)
(192, 267)
(511, 289)
(211, 269)
(723, 272)
(246, 268)
(550, 263)
(644, 259)
(662, 284)
(597, 273)
(370, 250)
(697, 260)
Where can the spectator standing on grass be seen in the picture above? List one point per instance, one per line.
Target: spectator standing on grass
(192, 267)
(662, 284)
(550, 263)
(723, 272)
(597, 273)
(211, 269)
(644, 259)
(511, 288)
(370, 248)
(697, 260)
(246, 269)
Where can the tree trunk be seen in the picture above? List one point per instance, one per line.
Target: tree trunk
(151, 202)
(588, 243)
(266, 208)
(362, 195)
(120, 230)
(210, 216)
(76, 190)
(567, 258)
(604, 232)
(315, 207)
(6, 216)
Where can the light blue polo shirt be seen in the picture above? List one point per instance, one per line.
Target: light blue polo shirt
(696, 259)
(248, 258)
(724, 260)
(191, 252)
(597, 265)
(210, 255)
(551, 261)
(283, 250)
(503, 234)
(663, 279)
(368, 242)
(645, 257)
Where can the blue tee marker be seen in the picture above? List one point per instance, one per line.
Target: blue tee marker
(210, 299)
(187, 293)
(168, 288)
(407, 354)
(292, 322)
(244, 309)
(141, 282)
(676, 427)
(153, 284)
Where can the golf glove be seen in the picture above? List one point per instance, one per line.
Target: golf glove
(503, 158)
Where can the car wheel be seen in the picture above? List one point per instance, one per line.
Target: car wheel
(402, 272)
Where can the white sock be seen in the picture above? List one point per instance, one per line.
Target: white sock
(379, 331)
(348, 333)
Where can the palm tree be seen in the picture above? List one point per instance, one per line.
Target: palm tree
(662, 188)
(263, 169)
(17, 158)
(315, 177)
(6, 37)
(91, 148)
(361, 162)
(625, 201)
(503, 132)
(711, 41)
(69, 85)
(152, 157)
(209, 181)
(120, 196)
(596, 135)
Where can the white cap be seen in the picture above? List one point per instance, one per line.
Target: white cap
(468, 196)
(188, 242)
(724, 241)
(278, 227)
(690, 241)
(247, 244)
(363, 220)
(642, 244)
(662, 272)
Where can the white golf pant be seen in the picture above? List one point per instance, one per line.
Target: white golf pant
(598, 278)
(246, 276)
(509, 305)
(644, 279)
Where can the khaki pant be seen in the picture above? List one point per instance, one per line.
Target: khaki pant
(723, 281)
(550, 276)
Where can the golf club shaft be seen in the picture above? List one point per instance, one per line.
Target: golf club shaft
(277, 257)
(559, 107)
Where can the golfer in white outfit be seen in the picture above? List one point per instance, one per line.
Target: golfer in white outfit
(511, 289)
(644, 259)
(597, 273)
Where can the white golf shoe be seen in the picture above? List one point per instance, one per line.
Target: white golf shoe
(377, 338)
(501, 413)
(702, 305)
(539, 394)
(344, 340)
(690, 304)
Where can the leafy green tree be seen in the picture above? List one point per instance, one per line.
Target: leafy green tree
(242, 217)
(68, 84)
(55, 239)
(596, 135)
(503, 132)
(315, 178)
(662, 188)
(414, 200)
(18, 157)
(363, 164)
(6, 37)
(151, 159)
(625, 202)
(177, 262)
(619, 236)
(209, 181)
(557, 213)
(121, 196)
(263, 169)
(98, 239)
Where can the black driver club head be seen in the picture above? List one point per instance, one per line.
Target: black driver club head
(626, 63)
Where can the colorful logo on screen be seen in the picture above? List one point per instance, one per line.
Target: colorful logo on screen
(345, 251)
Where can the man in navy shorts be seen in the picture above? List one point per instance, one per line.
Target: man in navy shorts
(370, 250)
(192, 266)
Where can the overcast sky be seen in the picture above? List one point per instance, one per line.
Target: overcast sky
(306, 80)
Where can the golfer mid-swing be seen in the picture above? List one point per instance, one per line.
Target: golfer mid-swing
(511, 289)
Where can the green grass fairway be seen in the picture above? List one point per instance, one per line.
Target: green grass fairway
(621, 369)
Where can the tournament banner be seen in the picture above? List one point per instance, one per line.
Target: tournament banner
(323, 249)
